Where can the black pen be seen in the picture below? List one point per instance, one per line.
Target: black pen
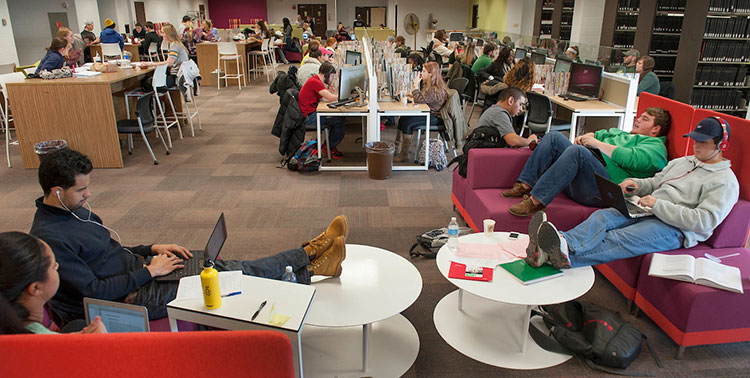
(255, 315)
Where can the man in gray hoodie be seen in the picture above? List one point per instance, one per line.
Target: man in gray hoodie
(690, 197)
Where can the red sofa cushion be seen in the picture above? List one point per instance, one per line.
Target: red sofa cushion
(166, 355)
(682, 121)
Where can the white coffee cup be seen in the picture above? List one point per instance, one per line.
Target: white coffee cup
(489, 227)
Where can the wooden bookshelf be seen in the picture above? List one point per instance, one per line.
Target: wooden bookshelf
(554, 19)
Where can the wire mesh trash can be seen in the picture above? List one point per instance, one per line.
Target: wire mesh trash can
(48, 147)
(379, 159)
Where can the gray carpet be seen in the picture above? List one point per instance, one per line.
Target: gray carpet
(231, 167)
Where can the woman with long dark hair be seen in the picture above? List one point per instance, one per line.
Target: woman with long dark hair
(434, 93)
(648, 81)
(499, 67)
(28, 279)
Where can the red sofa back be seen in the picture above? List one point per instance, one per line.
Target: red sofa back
(222, 354)
(682, 121)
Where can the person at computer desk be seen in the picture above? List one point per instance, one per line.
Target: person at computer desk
(94, 265)
(401, 48)
(572, 53)
(311, 66)
(110, 35)
(440, 45)
(433, 93)
(496, 70)
(28, 279)
(648, 81)
(689, 199)
(317, 87)
(312, 45)
(489, 54)
(629, 60)
(556, 165)
(511, 103)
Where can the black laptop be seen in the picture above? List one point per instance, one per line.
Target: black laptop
(598, 155)
(194, 266)
(611, 195)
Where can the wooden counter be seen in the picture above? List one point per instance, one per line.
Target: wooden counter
(208, 55)
(129, 47)
(83, 111)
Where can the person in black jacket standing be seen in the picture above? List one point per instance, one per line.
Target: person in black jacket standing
(92, 264)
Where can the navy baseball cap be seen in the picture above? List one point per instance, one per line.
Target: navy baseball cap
(708, 128)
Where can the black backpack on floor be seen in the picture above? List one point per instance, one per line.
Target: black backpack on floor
(480, 137)
(596, 334)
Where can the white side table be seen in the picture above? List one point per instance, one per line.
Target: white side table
(374, 287)
(491, 323)
(236, 311)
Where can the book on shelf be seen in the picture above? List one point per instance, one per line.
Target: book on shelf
(725, 51)
(700, 271)
(718, 75)
(717, 99)
(727, 27)
(527, 274)
(628, 5)
(729, 6)
(670, 5)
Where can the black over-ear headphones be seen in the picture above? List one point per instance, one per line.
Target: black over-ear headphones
(724, 144)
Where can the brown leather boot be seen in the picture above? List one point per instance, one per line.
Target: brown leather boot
(525, 208)
(404, 154)
(517, 191)
(322, 242)
(399, 141)
(329, 262)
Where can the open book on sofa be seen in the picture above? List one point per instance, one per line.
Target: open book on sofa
(701, 271)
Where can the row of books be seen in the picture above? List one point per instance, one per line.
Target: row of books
(671, 5)
(725, 51)
(664, 65)
(664, 44)
(624, 40)
(628, 5)
(733, 27)
(667, 24)
(721, 76)
(626, 21)
(733, 6)
(717, 99)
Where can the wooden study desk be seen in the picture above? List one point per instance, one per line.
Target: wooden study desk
(208, 56)
(83, 111)
(342, 111)
(590, 108)
(129, 47)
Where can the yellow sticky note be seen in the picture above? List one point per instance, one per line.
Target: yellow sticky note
(279, 319)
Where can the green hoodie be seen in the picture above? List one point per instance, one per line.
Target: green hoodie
(636, 155)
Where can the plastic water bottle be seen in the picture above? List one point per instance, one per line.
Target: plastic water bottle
(453, 234)
(289, 276)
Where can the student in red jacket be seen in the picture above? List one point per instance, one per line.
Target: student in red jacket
(315, 88)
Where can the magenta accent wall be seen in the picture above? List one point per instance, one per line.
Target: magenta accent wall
(222, 10)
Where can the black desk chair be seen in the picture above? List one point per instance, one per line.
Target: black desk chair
(143, 124)
(539, 117)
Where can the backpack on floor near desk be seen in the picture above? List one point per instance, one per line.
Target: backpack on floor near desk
(599, 336)
(305, 159)
(432, 240)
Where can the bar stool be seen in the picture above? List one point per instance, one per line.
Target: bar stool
(5, 116)
(268, 60)
(188, 114)
(158, 80)
(153, 51)
(111, 50)
(229, 51)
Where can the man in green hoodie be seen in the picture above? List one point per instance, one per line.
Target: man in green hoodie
(558, 165)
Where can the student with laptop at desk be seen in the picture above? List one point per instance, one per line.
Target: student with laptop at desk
(92, 264)
(556, 165)
(689, 199)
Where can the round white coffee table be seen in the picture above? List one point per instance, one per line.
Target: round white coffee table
(491, 323)
(374, 287)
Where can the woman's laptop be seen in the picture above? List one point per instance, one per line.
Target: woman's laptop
(611, 195)
(194, 266)
(117, 317)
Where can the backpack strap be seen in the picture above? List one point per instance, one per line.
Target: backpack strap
(653, 351)
(603, 369)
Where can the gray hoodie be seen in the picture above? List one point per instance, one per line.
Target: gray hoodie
(692, 196)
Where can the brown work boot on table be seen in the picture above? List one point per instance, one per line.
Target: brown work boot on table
(322, 242)
(526, 207)
(329, 262)
(517, 191)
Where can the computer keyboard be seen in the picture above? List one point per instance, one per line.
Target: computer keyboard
(340, 103)
(634, 209)
(573, 97)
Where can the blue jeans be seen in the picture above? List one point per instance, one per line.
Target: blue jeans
(407, 124)
(336, 124)
(155, 295)
(557, 165)
(608, 235)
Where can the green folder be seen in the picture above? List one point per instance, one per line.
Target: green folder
(527, 274)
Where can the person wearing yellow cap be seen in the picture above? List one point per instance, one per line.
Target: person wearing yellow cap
(110, 35)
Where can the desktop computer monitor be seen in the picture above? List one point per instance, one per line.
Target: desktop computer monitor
(592, 62)
(538, 58)
(520, 53)
(480, 42)
(353, 57)
(585, 79)
(350, 77)
(456, 37)
(562, 65)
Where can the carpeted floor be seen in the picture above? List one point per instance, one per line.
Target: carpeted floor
(231, 167)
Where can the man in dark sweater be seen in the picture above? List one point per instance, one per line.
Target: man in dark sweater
(151, 36)
(92, 264)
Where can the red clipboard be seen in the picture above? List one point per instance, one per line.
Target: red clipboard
(458, 270)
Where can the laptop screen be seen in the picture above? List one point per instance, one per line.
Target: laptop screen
(217, 239)
(117, 317)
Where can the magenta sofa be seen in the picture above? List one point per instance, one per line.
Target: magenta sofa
(680, 309)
